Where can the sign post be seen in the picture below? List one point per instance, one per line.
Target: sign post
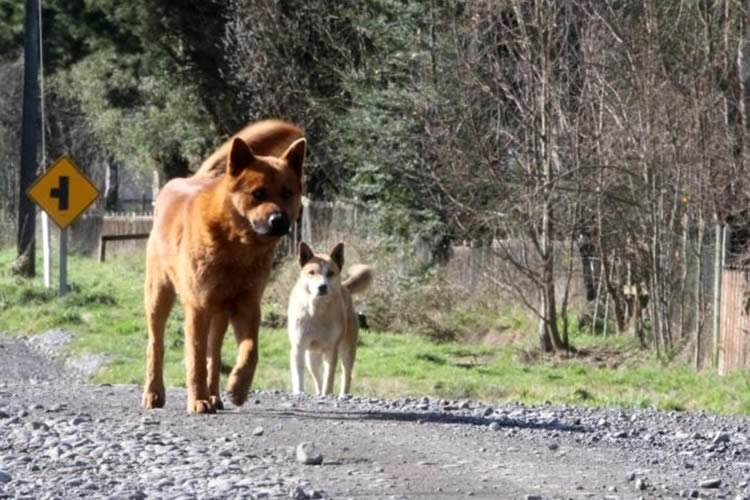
(64, 193)
(63, 284)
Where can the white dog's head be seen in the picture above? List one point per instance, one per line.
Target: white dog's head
(320, 274)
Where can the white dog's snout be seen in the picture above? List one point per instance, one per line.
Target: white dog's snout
(317, 286)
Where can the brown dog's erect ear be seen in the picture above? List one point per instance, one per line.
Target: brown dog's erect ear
(295, 155)
(239, 158)
(337, 255)
(305, 253)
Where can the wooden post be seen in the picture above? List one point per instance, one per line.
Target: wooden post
(698, 292)
(718, 266)
(102, 249)
(155, 186)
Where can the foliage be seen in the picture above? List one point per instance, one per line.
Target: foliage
(11, 28)
(144, 137)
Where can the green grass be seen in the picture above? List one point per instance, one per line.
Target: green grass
(104, 312)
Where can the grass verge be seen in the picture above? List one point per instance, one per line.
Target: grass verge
(104, 313)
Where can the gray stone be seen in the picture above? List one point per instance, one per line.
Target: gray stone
(127, 495)
(298, 494)
(80, 419)
(74, 483)
(721, 437)
(308, 454)
(710, 483)
(221, 484)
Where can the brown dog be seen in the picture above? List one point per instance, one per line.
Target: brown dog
(212, 243)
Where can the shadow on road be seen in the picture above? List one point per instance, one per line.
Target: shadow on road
(427, 417)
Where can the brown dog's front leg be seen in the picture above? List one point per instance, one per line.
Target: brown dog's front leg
(245, 324)
(197, 324)
(215, 339)
(158, 300)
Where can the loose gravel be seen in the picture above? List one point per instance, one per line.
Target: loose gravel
(62, 438)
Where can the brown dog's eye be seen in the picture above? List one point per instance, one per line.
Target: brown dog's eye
(260, 194)
(330, 274)
(286, 194)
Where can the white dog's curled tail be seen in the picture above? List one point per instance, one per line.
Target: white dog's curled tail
(360, 278)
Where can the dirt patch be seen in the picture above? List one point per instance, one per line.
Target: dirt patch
(496, 337)
(592, 356)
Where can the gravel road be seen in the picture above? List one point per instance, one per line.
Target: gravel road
(63, 438)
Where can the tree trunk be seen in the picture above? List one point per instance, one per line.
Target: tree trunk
(112, 185)
(548, 305)
(698, 290)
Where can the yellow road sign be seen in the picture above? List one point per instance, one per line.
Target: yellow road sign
(63, 191)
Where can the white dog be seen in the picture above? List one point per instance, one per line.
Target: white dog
(322, 323)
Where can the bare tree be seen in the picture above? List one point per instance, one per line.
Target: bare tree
(288, 59)
(505, 155)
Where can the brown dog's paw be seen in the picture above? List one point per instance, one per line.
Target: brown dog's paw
(200, 406)
(216, 402)
(237, 398)
(237, 390)
(154, 399)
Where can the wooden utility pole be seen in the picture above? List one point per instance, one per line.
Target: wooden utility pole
(29, 141)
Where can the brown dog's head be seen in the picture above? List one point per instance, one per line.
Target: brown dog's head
(265, 190)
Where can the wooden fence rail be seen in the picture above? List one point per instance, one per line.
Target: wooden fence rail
(103, 239)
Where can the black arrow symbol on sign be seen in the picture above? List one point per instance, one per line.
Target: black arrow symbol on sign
(61, 192)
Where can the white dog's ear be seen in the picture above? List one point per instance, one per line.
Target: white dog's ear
(337, 255)
(305, 253)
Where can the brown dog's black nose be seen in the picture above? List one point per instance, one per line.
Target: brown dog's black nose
(278, 224)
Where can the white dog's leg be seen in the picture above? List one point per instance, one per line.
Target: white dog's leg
(347, 353)
(330, 369)
(297, 367)
(315, 365)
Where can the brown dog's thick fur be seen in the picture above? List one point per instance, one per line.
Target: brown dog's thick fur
(212, 243)
(267, 138)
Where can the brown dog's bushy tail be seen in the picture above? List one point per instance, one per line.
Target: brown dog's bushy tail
(265, 138)
(360, 278)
